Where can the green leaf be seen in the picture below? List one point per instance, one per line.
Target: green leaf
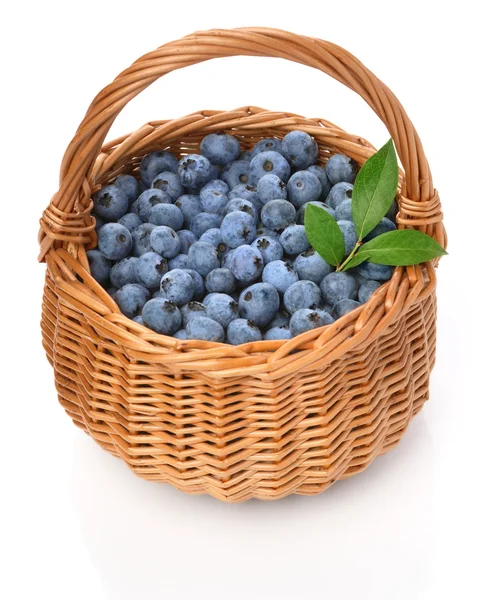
(374, 189)
(398, 248)
(324, 234)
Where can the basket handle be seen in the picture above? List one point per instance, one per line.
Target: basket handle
(67, 218)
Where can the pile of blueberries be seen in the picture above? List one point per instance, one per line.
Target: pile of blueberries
(213, 246)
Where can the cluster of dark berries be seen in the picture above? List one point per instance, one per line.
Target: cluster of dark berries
(213, 246)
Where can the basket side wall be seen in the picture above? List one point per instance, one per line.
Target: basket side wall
(242, 437)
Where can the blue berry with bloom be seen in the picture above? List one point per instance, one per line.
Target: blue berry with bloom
(220, 148)
(235, 173)
(131, 299)
(99, 265)
(259, 303)
(170, 183)
(110, 203)
(303, 187)
(341, 168)
(124, 272)
(300, 149)
(271, 187)
(129, 185)
(243, 331)
(165, 241)
(268, 162)
(278, 214)
(246, 264)
(114, 241)
(155, 163)
(162, 315)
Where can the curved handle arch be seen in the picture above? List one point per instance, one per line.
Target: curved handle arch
(67, 217)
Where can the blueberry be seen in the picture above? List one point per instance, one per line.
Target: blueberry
(131, 298)
(281, 318)
(237, 228)
(338, 286)
(138, 319)
(99, 223)
(203, 222)
(267, 144)
(246, 192)
(269, 247)
(268, 162)
(150, 269)
(190, 205)
(166, 214)
(192, 309)
(141, 239)
(306, 319)
(169, 183)
(366, 289)
(187, 238)
(266, 232)
(343, 307)
(181, 334)
(213, 201)
(245, 155)
(199, 285)
(323, 179)
(214, 173)
(149, 199)
(124, 272)
(204, 328)
(349, 234)
(341, 168)
(302, 211)
(271, 187)
(165, 241)
(180, 261)
(221, 308)
(194, 171)
(162, 315)
(131, 221)
(374, 271)
(279, 274)
(216, 184)
(294, 240)
(110, 203)
(129, 185)
(300, 148)
(242, 331)
(303, 187)
(384, 226)
(177, 286)
(246, 264)
(259, 303)
(311, 266)
(155, 163)
(220, 280)
(338, 193)
(114, 241)
(278, 214)
(220, 148)
(302, 294)
(203, 258)
(227, 258)
(99, 265)
(214, 237)
(236, 172)
(278, 333)
(344, 210)
(134, 208)
(243, 206)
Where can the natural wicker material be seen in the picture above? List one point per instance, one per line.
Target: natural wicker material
(264, 419)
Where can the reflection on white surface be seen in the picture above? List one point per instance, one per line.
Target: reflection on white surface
(149, 540)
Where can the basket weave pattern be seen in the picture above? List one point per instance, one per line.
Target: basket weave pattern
(265, 419)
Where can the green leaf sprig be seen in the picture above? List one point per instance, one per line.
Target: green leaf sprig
(373, 194)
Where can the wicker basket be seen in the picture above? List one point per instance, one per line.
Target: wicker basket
(264, 419)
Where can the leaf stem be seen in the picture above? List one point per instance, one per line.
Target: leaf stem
(350, 256)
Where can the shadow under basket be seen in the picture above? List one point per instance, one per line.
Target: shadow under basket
(264, 419)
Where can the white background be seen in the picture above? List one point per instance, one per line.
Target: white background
(75, 522)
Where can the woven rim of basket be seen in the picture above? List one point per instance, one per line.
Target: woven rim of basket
(182, 136)
(67, 227)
